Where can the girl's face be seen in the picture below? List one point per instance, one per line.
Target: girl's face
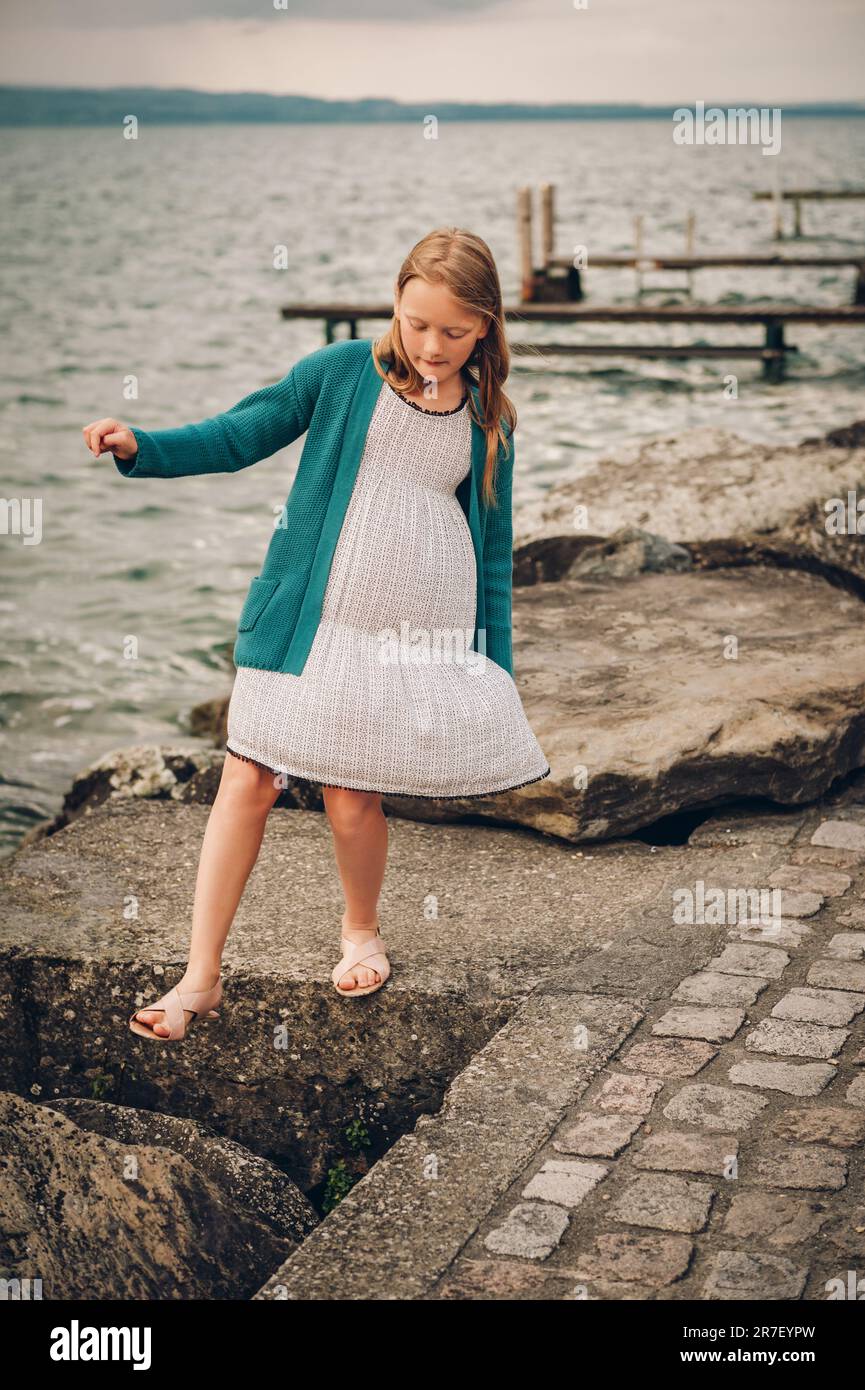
(438, 332)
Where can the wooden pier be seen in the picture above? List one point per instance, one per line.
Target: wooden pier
(773, 318)
(798, 196)
(643, 263)
(553, 293)
(558, 279)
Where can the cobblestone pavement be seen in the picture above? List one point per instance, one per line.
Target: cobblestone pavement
(720, 1154)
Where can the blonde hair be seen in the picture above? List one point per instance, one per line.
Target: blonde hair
(462, 262)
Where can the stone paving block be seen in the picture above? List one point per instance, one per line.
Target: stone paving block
(715, 1108)
(821, 1124)
(654, 1260)
(830, 883)
(564, 1182)
(854, 918)
(793, 1078)
(840, 834)
(664, 1203)
(532, 1229)
(813, 1166)
(833, 1007)
(469, 1279)
(669, 1056)
(847, 945)
(624, 1094)
(596, 1136)
(687, 1153)
(785, 932)
(787, 1038)
(775, 1217)
(711, 987)
(712, 1025)
(836, 974)
(824, 854)
(751, 960)
(856, 1092)
(739, 1274)
(611, 1291)
(800, 904)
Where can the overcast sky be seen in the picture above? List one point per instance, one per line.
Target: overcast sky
(771, 51)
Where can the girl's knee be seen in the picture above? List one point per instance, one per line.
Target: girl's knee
(349, 811)
(250, 786)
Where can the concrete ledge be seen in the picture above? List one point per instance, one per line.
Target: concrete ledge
(442, 1179)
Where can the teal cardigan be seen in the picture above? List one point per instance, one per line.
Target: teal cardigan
(331, 394)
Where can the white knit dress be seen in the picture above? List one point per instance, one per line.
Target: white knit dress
(391, 697)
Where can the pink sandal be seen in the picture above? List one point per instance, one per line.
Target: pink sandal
(199, 1001)
(369, 953)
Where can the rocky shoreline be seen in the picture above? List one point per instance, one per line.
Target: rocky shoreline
(690, 656)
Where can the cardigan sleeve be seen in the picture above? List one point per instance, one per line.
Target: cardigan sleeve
(499, 566)
(256, 427)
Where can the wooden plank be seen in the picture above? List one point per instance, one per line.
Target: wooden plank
(610, 313)
(625, 262)
(811, 194)
(644, 350)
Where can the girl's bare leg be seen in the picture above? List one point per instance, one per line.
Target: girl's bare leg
(229, 850)
(359, 828)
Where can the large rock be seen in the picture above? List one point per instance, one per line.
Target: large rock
(245, 1179)
(97, 1219)
(727, 500)
(645, 707)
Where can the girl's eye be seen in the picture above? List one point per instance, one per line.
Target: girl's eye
(419, 327)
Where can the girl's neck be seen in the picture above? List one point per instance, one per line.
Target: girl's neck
(445, 399)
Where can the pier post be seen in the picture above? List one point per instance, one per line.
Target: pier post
(547, 224)
(689, 249)
(774, 367)
(524, 241)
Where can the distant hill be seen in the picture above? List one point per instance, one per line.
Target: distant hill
(64, 106)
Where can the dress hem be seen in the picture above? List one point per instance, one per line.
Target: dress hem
(423, 796)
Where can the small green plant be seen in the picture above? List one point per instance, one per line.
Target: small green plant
(339, 1181)
(357, 1135)
(100, 1086)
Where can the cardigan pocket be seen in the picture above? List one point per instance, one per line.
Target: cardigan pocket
(259, 595)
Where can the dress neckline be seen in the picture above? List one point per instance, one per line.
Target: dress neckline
(414, 405)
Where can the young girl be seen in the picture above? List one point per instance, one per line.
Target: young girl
(374, 649)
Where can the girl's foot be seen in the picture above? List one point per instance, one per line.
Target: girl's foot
(360, 975)
(192, 980)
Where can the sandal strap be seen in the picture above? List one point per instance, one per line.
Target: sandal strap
(356, 952)
(173, 1003)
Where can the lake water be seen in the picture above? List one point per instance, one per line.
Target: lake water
(154, 258)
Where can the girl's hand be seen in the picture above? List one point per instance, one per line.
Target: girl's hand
(111, 436)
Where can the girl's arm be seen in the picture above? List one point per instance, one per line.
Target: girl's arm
(253, 429)
(499, 566)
